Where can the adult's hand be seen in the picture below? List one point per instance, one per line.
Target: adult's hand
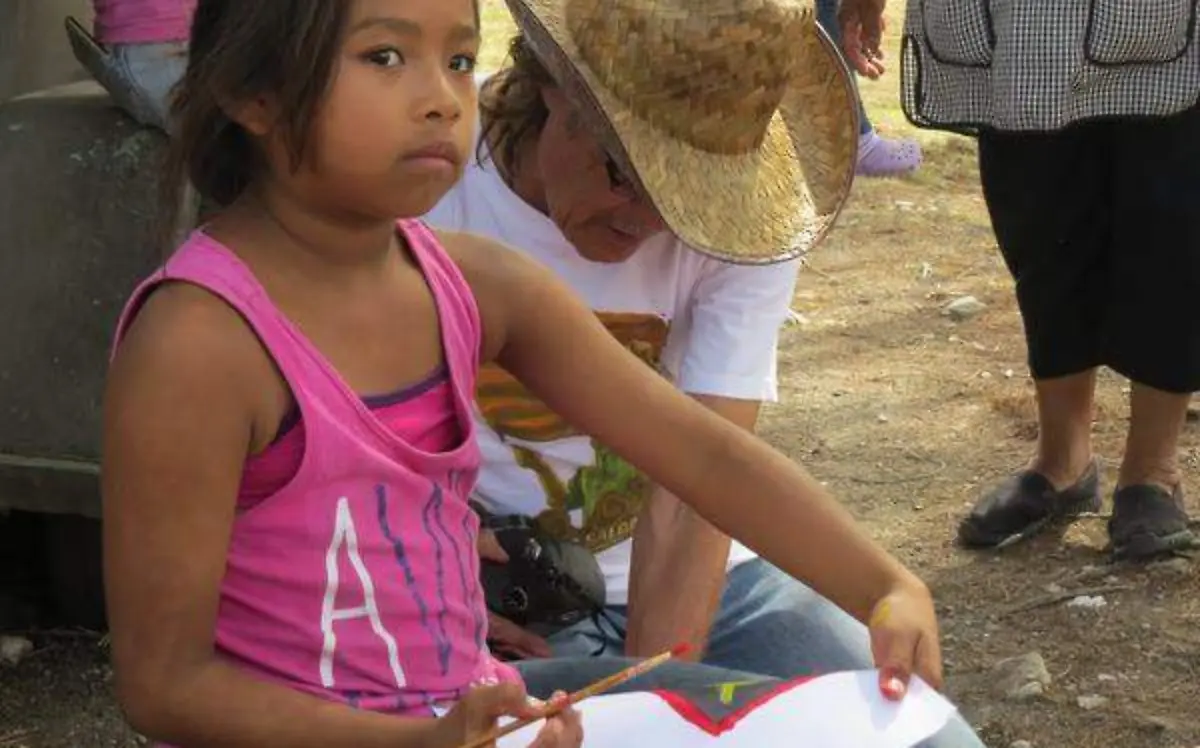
(504, 635)
(862, 35)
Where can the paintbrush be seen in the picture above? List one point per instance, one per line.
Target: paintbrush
(600, 686)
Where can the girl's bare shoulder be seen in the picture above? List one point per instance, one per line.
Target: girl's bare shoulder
(483, 259)
(186, 339)
(503, 281)
(179, 319)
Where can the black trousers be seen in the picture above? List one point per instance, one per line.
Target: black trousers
(1099, 225)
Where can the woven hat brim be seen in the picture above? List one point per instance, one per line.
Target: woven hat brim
(765, 206)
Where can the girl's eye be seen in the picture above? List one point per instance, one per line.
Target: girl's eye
(384, 58)
(462, 63)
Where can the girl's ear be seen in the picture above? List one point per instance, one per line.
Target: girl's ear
(256, 115)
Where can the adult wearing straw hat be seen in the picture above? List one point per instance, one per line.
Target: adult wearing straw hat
(671, 161)
(1089, 155)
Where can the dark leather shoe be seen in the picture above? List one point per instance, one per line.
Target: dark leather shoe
(1024, 504)
(1148, 521)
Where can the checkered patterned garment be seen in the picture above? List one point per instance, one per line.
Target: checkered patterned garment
(1043, 64)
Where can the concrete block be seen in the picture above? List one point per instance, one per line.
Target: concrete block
(79, 223)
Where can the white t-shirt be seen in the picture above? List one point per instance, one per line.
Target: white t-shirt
(711, 327)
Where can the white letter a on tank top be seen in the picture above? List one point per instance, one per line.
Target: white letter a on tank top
(345, 540)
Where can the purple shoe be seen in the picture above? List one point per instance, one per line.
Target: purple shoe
(882, 157)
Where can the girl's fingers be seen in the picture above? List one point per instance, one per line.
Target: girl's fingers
(533, 708)
(895, 655)
(929, 662)
(574, 722)
(893, 684)
(570, 733)
(562, 730)
(550, 736)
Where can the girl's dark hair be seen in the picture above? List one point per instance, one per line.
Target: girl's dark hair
(511, 107)
(239, 50)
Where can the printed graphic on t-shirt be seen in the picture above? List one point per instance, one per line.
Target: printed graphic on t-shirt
(609, 493)
(410, 554)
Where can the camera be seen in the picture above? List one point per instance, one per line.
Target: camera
(547, 584)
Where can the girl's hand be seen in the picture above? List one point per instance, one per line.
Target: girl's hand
(563, 730)
(477, 713)
(904, 639)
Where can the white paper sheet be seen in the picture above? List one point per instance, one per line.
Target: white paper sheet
(841, 710)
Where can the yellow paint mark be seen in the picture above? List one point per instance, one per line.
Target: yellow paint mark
(881, 614)
(726, 691)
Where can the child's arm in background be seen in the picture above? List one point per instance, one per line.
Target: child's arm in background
(538, 330)
(180, 414)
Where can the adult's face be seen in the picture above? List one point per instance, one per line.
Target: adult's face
(586, 197)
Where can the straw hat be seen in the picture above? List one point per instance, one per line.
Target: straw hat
(736, 119)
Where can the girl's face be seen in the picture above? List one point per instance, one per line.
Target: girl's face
(395, 129)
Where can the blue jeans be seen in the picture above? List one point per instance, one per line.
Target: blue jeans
(827, 11)
(544, 677)
(140, 78)
(768, 624)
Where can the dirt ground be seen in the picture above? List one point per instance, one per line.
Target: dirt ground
(906, 415)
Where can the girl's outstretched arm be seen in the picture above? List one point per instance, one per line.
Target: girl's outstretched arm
(179, 418)
(537, 329)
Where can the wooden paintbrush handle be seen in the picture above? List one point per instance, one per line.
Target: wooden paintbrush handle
(600, 686)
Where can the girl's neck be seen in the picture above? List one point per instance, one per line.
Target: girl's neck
(297, 240)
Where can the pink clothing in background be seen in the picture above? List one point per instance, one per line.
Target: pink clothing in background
(357, 580)
(142, 21)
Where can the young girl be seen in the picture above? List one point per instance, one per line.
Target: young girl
(290, 557)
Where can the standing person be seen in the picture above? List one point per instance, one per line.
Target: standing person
(1089, 156)
(290, 558)
(699, 294)
(877, 156)
(137, 50)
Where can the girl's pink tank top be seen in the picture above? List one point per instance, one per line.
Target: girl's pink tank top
(358, 580)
